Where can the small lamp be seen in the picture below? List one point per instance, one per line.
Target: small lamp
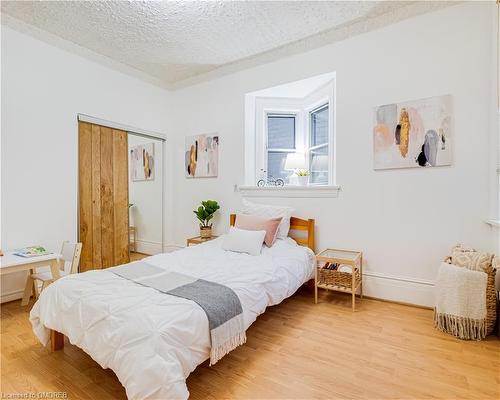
(295, 161)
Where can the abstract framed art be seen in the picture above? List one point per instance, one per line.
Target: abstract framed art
(202, 156)
(142, 162)
(415, 133)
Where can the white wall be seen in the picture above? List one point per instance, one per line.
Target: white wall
(405, 221)
(494, 155)
(43, 90)
(147, 200)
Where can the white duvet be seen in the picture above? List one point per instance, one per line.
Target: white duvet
(153, 341)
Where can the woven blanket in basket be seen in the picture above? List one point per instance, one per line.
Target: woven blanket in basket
(461, 302)
(470, 258)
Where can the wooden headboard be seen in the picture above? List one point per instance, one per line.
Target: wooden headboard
(296, 224)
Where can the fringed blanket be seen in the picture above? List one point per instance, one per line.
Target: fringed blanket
(221, 305)
(461, 302)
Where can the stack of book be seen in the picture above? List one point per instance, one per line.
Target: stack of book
(31, 251)
(338, 267)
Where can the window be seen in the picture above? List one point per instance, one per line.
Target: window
(280, 143)
(289, 134)
(302, 131)
(318, 148)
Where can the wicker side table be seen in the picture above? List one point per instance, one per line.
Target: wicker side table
(329, 276)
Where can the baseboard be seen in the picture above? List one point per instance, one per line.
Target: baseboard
(402, 290)
(397, 289)
(398, 302)
(11, 296)
(148, 247)
(379, 286)
(169, 248)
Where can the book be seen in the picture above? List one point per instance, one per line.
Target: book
(31, 251)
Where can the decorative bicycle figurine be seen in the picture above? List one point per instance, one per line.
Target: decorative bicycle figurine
(268, 180)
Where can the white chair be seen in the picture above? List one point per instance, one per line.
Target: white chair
(70, 256)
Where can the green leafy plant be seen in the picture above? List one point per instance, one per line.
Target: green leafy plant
(206, 212)
(302, 172)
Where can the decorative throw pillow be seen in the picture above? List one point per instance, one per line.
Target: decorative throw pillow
(470, 258)
(241, 241)
(253, 223)
(267, 211)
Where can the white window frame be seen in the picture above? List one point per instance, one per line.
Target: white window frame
(257, 108)
(266, 140)
(264, 107)
(317, 105)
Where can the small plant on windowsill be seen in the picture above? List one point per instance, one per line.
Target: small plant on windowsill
(302, 177)
(205, 213)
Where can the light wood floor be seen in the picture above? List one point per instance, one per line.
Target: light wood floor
(294, 350)
(137, 256)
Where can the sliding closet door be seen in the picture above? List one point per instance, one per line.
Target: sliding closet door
(103, 196)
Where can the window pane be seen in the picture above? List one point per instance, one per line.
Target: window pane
(276, 165)
(281, 132)
(319, 127)
(319, 165)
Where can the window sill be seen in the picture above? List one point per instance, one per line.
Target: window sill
(289, 191)
(493, 222)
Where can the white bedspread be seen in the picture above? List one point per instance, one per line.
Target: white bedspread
(153, 341)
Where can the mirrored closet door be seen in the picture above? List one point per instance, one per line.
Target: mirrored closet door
(145, 195)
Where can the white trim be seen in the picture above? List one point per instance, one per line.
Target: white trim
(381, 286)
(148, 247)
(296, 114)
(356, 27)
(169, 248)
(81, 51)
(262, 108)
(399, 289)
(258, 108)
(398, 278)
(290, 191)
(378, 285)
(327, 103)
(493, 222)
(117, 125)
(12, 295)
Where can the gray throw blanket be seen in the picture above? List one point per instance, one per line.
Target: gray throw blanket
(221, 305)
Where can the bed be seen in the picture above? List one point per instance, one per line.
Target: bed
(153, 341)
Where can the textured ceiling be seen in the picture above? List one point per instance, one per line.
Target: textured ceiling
(172, 41)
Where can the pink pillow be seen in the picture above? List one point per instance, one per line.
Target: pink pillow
(253, 223)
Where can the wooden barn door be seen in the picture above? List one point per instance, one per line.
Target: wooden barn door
(103, 196)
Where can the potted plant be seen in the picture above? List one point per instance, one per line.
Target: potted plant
(302, 177)
(205, 213)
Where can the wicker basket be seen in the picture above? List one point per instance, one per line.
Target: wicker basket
(491, 300)
(336, 278)
(206, 232)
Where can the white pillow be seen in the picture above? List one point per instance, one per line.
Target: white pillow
(242, 241)
(267, 211)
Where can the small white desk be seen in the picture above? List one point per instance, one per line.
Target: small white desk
(10, 263)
